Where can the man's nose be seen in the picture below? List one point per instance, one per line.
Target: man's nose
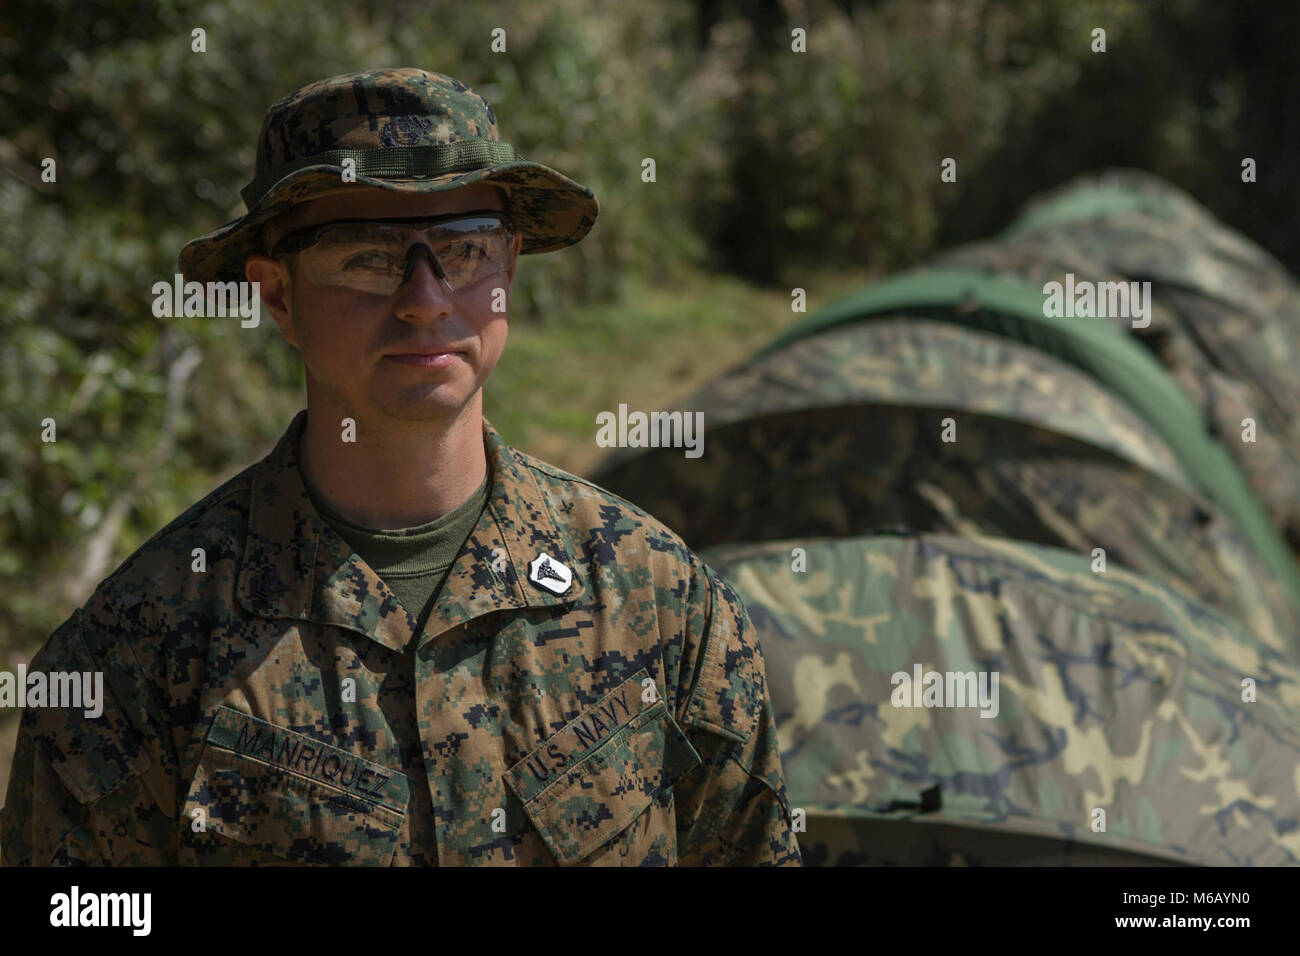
(422, 292)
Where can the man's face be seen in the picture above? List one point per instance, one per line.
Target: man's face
(362, 349)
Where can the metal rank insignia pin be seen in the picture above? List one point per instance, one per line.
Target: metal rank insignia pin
(546, 572)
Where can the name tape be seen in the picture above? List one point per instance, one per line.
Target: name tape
(308, 757)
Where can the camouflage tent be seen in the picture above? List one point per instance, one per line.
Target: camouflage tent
(1225, 320)
(936, 481)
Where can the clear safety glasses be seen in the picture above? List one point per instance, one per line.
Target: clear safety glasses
(378, 255)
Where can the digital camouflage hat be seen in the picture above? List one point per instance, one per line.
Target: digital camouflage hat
(405, 130)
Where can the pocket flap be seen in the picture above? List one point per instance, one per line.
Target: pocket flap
(586, 784)
(91, 755)
(292, 796)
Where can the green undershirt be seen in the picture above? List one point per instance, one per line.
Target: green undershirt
(413, 562)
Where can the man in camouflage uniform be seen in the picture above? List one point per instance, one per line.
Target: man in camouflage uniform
(529, 670)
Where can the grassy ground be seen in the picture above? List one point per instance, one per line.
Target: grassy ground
(555, 377)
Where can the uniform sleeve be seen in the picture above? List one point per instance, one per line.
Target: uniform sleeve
(85, 788)
(732, 810)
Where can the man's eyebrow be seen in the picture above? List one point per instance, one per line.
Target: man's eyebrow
(344, 231)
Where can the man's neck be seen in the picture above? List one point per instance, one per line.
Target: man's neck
(395, 474)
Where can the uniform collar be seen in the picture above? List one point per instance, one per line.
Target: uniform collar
(295, 566)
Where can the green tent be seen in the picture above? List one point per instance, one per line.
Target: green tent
(937, 481)
(1225, 320)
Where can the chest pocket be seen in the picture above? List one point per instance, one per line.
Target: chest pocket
(265, 795)
(599, 791)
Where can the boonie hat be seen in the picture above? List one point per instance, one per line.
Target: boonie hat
(406, 130)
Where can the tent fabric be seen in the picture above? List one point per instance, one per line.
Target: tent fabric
(931, 473)
(1114, 693)
(1225, 319)
(841, 433)
(1014, 309)
(904, 362)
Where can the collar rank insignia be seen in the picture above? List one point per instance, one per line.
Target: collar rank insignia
(546, 572)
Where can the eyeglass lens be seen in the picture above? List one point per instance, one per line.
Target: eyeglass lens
(372, 257)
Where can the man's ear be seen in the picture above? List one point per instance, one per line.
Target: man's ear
(272, 276)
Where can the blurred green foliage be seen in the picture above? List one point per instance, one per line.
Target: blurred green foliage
(772, 167)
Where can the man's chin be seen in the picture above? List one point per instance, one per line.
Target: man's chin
(434, 406)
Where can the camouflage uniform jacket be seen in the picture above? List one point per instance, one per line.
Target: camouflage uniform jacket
(279, 705)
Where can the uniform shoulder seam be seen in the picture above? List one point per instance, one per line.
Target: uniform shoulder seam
(559, 474)
(195, 514)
